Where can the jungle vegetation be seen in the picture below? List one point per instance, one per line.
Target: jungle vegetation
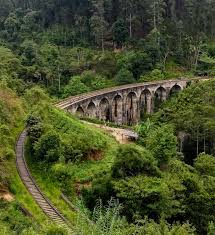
(162, 184)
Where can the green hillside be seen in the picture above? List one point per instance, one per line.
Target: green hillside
(163, 183)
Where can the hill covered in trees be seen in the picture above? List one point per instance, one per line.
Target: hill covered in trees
(93, 44)
(163, 183)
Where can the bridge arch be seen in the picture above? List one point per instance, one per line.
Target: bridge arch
(175, 90)
(159, 97)
(80, 111)
(145, 102)
(104, 110)
(117, 109)
(91, 110)
(131, 108)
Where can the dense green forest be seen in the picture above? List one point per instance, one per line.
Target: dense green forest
(164, 183)
(71, 47)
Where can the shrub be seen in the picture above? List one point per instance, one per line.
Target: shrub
(162, 143)
(9, 153)
(124, 76)
(61, 172)
(75, 87)
(70, 153)
(56, 230)
(101, 188)
(132, 160)
(155, 75)
(48, 147)
(35, 96)
(106, 65)
(205, 164)
(145, 196)
(137, 63)
(35, 127)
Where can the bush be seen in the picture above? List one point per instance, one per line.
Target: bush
(101, 188)
(155, 75)
(48, 147)
(63, 175)
(94, 81)
(35, 127)
(145, 196)
(205, 165)
(138, 63)
(106, 65)
(35, 96)
(162, 143)
(9, 154)
(70, 153)
(124, 76)
(75, 87)
(55, 230)
(150, 227)
(132, 160)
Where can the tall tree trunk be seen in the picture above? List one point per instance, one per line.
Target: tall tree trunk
(59, 79)
(103, 48)
(154, 16)
(130, 24)
(197, 142)
(204, 144)
(197, 52)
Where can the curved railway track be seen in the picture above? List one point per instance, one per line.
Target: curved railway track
(32, 187)
(74, 99)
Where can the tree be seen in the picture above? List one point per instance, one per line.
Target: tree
(48, 148)
(205, 165)
(98, 23)
(163, 144)
(138, 63)
(29, 52)
(10, 65)
(155, 75)
(145, 196)
(124, 77)
(132, 160)
(157, 8)
(120, 32)
(75, 87)
(12, 25)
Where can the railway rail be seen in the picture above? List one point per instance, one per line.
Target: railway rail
(32, 187)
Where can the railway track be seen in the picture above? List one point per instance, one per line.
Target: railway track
(74, 99)
(32, 187)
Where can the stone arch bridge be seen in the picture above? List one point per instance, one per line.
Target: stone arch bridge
(123, 104)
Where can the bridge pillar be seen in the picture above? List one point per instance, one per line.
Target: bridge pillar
(149, 104)
(117, 108)
(131, 109)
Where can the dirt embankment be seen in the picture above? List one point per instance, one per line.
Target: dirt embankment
(123, 136)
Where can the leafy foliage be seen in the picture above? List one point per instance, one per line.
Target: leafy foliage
(132, 160)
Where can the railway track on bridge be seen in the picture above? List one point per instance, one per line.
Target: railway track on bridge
(74, 99)
(32, 187)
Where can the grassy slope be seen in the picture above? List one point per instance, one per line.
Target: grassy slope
(81, 172)
(12, 114)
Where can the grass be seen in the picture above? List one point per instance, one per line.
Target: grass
(88, 170)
